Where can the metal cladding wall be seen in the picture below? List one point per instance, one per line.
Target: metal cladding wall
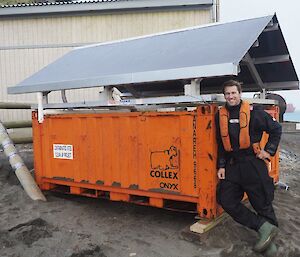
(29, 44)
(160, 159)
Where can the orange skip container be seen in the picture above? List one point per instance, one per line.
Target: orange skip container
(161, 159)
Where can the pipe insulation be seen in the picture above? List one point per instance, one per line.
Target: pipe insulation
(19, 167)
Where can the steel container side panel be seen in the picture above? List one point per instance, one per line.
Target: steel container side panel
(188, 157)
(123, 152)
(82, 150)
(98, 156)
(162, 144)
(73, 167)
(94, 160)
(128, 152)
(104, 142)
(151, 151)
(142, 161)
(106, 150)
(207, 156)
(169, 157)
(67, 131)
(58, 131)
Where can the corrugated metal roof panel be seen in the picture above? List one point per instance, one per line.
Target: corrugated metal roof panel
(57, 3)
(97, 5)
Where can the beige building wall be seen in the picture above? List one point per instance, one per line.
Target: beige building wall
(29, 44)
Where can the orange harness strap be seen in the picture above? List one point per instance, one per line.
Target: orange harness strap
(244, 119)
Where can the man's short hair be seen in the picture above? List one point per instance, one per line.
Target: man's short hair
(230, 83)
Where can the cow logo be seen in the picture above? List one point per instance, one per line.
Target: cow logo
(164, 166)
(165, 160)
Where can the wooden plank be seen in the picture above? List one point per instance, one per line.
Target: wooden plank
(203, 226)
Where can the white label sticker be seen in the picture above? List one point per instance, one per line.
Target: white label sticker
(297, 126)
(63, 151)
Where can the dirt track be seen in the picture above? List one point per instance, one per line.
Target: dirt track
(83, 227)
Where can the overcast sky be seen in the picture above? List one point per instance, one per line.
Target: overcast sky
(288, 14)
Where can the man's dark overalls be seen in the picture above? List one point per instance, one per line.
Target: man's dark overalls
(246, 173)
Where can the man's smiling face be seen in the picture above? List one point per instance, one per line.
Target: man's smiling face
(232, 95)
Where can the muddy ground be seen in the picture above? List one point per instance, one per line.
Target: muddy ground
(73, 226)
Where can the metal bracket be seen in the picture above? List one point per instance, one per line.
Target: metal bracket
(42, 99)
(250, 64)
(39, 96)
(193, 89)
(63, 96)
(105, 94)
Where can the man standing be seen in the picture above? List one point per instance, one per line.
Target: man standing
(242, 165)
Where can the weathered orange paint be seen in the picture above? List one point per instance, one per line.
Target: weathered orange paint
(274, 164)
(148, 158)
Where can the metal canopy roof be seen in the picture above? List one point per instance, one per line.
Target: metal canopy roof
(253, 51)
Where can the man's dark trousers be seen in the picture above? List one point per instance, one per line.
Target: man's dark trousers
(247, 174)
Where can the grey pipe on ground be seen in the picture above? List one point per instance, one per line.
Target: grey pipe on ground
(10, 105)
(18, 165)
(18, 124)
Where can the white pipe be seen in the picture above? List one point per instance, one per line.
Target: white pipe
(215, 11)
(40, 107)
(18, 165)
